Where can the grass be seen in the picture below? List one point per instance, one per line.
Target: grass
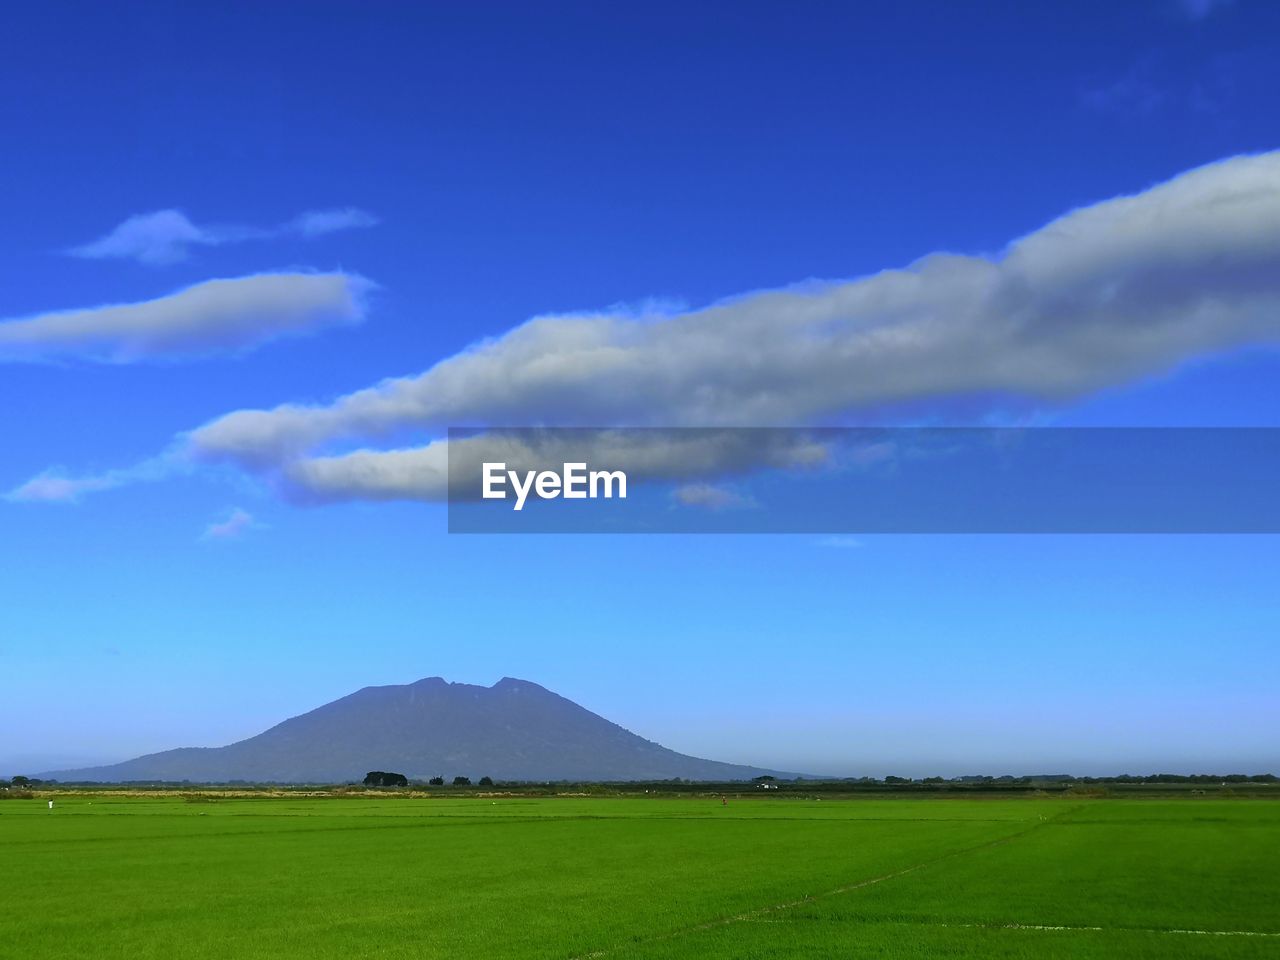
(119, 876)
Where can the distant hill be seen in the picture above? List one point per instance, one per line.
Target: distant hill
(514, 730)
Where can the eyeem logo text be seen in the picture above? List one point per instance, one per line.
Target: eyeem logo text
(574, 482)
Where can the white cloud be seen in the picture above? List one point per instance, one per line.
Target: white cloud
(211, 317)
(1103, 295)
(235, 524)
(166, 236)
(419, 473)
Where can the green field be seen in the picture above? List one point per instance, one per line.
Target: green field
(118, 876)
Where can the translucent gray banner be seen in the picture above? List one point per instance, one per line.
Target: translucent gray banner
(864, 480)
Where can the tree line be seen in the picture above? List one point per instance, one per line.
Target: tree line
(381, 778)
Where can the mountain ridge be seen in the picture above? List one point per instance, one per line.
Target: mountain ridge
(513, 730)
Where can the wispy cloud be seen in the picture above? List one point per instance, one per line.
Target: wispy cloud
(153, 238)
(167, 236)
(840, 543)
(57, 486)
(235, 524)
(1101, 296)
(709, 496)
(216, 316)
(1199, 9)
(1158, 86)
(1140, 91)
(53, 486)
(316, 223)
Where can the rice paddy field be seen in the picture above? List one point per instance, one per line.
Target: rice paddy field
(639, 877)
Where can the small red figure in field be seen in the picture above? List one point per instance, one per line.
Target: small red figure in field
(724, 801)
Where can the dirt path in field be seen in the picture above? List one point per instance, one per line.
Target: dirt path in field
(762, 914)
(1042, 926)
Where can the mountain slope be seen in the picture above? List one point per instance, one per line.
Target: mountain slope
(514, 730)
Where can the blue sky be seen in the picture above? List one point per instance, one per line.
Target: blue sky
(420, 179)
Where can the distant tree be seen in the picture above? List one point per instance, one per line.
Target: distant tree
(764, 778)
(486, 781)
(21, 781)
(462, 781)
(436, 781)
(897, 779)
(380, 778)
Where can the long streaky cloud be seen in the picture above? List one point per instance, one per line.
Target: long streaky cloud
(216, 316)
(452, 468)
(167, 236)
(1102, 296)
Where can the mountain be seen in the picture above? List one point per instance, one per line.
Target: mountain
(514, 730)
